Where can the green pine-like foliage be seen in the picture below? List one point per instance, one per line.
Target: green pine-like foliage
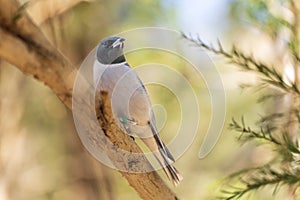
(279, 128)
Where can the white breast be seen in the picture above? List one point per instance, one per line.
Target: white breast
(128, 95)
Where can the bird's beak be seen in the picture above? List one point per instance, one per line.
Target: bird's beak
(119, 42)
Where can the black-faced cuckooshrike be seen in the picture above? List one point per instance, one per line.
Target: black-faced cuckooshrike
(129, 99)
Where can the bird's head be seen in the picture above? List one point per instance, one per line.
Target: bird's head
(110, 50)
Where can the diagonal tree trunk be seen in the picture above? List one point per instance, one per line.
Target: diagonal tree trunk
(23, 44)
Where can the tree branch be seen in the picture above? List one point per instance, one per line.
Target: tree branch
(24, 45)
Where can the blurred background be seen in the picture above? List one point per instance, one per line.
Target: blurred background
(41, 156)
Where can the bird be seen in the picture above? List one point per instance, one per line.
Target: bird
(131, 106)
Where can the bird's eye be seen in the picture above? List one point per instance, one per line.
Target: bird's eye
(105, 44)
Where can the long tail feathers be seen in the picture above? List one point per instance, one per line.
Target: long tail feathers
(162, 148)
(160, 143)
(173, 175)
(164, 157)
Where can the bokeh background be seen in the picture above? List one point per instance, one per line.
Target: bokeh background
(41, 156)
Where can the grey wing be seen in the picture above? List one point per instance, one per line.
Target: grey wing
(130, 98)
(145, 108)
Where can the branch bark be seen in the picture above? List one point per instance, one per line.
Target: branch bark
(24, 45)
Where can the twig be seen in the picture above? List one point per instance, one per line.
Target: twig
(272, 76)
